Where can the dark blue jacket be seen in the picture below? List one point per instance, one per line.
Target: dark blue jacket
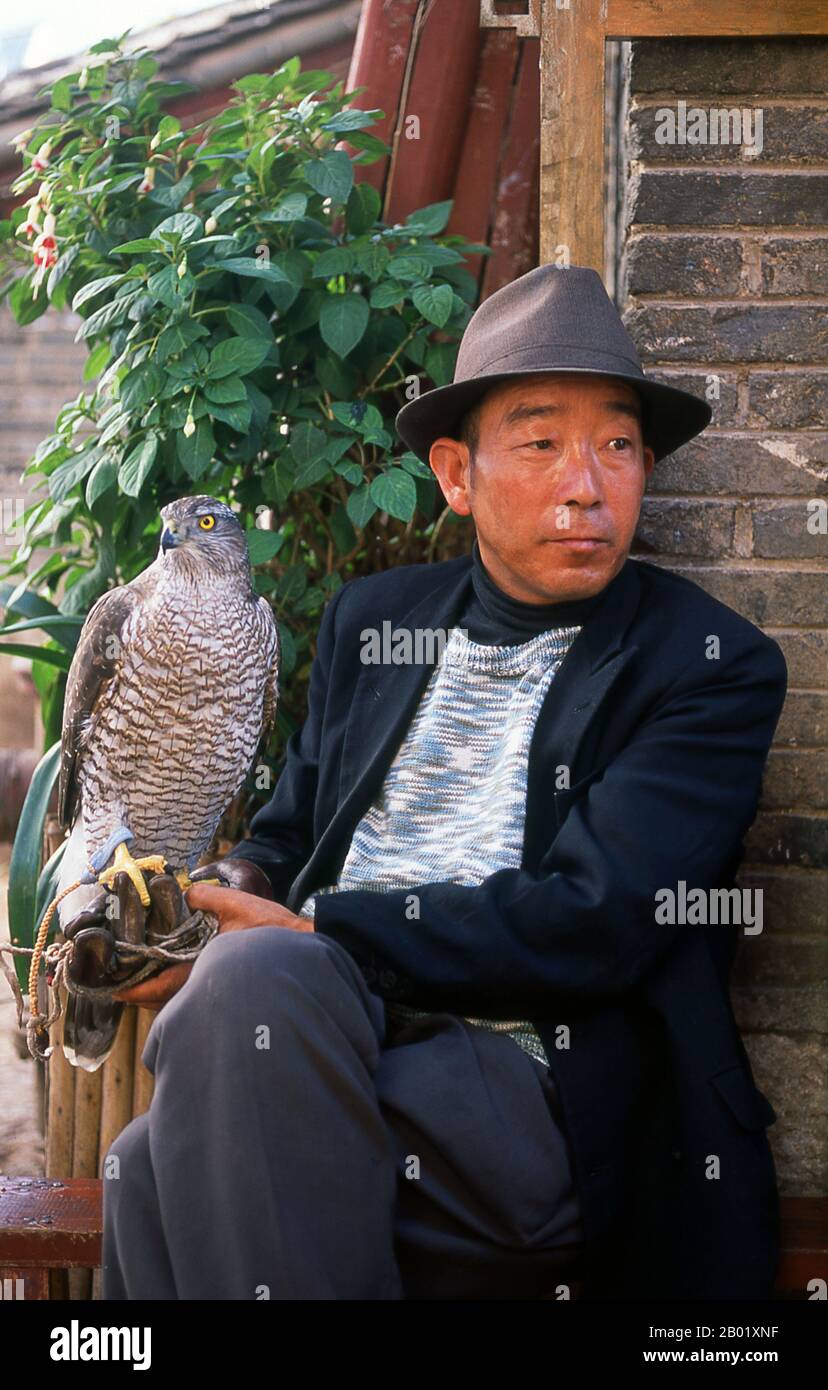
(665, 743)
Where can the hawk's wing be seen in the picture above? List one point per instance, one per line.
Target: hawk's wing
(273, 655)
(93, 666)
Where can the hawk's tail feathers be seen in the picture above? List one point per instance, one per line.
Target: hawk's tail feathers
(72, 866)
(90, 1027)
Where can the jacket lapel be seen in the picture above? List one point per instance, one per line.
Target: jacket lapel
(386, 696)
(582, 683)
(588, 671)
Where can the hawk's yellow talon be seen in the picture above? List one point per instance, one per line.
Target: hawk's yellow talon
(125, 864)
(184, 881)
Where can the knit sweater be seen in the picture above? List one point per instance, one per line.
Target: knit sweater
(452, 805)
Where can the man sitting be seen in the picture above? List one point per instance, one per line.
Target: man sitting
(478, 1058)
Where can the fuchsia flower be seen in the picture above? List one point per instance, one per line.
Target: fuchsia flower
(44, 252)
(148, 181)
(31, 225)
(41, 159)
(36, 207)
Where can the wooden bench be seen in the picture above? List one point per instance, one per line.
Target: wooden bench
(50, 1225)
(47, 1226)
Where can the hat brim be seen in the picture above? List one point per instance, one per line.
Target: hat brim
(671, 416)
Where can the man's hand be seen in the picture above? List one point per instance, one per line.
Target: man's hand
(236, 911)
(154, 992)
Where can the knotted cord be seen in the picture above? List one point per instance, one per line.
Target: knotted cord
(183, 944)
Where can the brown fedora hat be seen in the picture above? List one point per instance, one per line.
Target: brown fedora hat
(550, 320)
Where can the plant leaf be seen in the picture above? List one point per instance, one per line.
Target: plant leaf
(387, 293)
(96, 361)
(332, 176)
(343, 321)
(93, 288)
(106, 316)
(236, 414)
(226, 390)
(263, 545)
(181, 227)
(430, 220)
(69, 473)
(351, 118)
(237, 357)
(360, 506)
(140, 244)
(47, 655)
(102, 477)
(363, 208)
(434, 303)
(24, 869)
(178, 337)
(140, 385)
(257, 269)
(288, 209)
(196, 451)
(136, 467)
(395, 493)
(249, 322)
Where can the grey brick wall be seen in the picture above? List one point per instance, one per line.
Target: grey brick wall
(723, 274)
(41, 369)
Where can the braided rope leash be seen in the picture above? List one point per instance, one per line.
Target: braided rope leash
(37, 1022)
(184, 944)
(197, 929)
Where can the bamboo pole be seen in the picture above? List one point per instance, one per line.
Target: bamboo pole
(86, 1111)
(59, 1079)
(116, 1098)
(60, 1104)
(144, 1081)
(88, 1090)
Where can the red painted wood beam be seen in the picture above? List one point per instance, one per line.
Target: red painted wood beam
(379, 62)
(476, 185)
(429, 137)
(514, 232)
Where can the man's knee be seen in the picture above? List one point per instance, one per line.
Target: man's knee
(265, 982)
(127, 1159)
(246, 960)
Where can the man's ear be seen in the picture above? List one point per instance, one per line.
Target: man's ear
(449, 459)
(649, 461)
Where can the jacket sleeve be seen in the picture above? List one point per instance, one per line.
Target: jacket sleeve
(281, 832)
(673, 805)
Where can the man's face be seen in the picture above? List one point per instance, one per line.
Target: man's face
(556, 486)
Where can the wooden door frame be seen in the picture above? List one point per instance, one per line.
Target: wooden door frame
(573, 35)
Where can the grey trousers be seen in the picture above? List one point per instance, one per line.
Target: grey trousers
(296, 1147)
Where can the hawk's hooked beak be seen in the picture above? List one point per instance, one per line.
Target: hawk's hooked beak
(169, 539)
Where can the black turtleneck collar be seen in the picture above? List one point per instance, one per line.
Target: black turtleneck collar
(493, 616)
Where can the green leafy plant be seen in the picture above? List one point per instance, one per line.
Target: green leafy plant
(253, 326)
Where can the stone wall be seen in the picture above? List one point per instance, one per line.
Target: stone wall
(724, 283)
(41, 369)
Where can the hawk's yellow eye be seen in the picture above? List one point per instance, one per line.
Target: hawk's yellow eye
(207, 522)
